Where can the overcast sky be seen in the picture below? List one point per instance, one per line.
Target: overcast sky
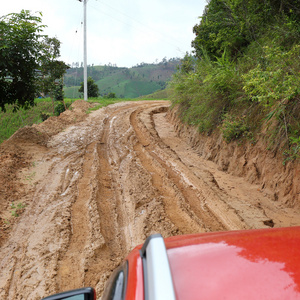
(124, 33)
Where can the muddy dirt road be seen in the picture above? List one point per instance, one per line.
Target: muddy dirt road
(96, 189)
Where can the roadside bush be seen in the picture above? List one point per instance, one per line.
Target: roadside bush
(234, 127)
(206, 94)
(223, 78)
(277, 79)
(110, 96)
(59, 108)
(45, 116)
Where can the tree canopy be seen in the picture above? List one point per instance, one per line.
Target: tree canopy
(92, 88)
(26, 57)
(232, 25)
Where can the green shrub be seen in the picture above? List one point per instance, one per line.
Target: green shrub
(293, 153)
(206, 94)
(59, 108)
(45, 116)
(110, 96)
(276, 79)
(234, 127)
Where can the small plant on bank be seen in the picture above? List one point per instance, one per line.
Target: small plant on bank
(59, 108)
(17, 210)
(234, 127)
(45, 116)
(30, 176)
(293, 153)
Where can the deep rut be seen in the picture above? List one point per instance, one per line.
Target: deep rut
(72, 263)
(176, 200)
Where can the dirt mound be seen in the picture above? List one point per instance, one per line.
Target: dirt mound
(28, 134)
(54, 125)
(81, 105)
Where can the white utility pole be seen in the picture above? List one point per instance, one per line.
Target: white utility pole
(84, 52)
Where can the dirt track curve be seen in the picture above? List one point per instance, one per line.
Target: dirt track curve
(101, 186)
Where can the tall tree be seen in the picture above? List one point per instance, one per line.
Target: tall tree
(52, 70)
(93, 90)
(232, 25)
(24, 52)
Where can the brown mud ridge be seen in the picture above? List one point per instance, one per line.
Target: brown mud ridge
(97, 185)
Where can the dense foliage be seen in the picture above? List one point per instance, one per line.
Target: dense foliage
(232, 25)
(28, 59)
(245, 71)
(92, 88)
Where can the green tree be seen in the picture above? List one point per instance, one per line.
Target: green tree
(111, 95)
(232, 25)
(224, 26)
(52, 70)
(93, 90)
(19, 55)
(24, 54)
(187, 64)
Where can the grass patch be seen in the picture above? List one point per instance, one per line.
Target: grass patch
(17, 209)
(11, 121)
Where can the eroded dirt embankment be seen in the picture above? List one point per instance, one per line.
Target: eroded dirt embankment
(97, 185)
(255, 163)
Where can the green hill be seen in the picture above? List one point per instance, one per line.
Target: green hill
(143, 79)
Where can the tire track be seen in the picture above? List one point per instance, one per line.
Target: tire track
(71, 264)
(111, 251)
(181, 203)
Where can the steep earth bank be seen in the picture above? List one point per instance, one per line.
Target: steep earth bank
(253, 162)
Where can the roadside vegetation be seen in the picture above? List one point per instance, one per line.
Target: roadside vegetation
(11, 119)
(29, 64)
(244, 75)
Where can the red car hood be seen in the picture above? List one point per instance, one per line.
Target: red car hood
(257, 264)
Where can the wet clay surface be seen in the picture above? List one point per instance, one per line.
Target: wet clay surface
(92, 187)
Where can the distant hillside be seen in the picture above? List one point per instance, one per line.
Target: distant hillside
(143, 79)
